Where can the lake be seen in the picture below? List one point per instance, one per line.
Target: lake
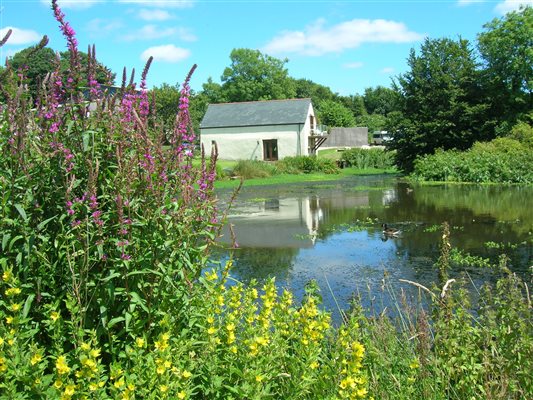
(331, 232)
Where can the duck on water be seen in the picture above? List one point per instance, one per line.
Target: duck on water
(390, 232)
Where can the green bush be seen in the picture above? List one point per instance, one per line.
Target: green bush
(307, 165)
(368, 158)
(503, 160)
(248, 169)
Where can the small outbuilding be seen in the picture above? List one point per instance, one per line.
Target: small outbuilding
(347, 137)
(262, 130)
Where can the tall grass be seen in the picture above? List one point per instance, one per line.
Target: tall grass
(368, 158)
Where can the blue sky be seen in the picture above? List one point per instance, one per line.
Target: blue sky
(347, 45)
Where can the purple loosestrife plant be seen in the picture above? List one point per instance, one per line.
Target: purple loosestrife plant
(111, 225)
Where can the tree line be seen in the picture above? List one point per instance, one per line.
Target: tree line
(454, 93)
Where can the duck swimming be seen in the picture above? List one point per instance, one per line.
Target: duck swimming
(391, 232)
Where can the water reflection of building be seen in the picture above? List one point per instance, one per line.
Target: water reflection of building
(287, 222)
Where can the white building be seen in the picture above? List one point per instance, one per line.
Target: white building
(262, 130)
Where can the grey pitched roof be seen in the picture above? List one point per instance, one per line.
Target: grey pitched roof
(254, 113)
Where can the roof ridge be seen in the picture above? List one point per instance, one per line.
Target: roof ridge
(259, 101)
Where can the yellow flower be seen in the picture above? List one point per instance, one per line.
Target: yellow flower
(258, 378)
(230, 327)
(95, 353)
(1, 340)
(160, 369)
(211, 330)
(163, 388)
(10, 341)
(220, 300)
(210, 320)
(7, 275)
(182, 395)
(139, 342)
(12, 291)
(118, 384)
(62, 366)
(9, 320)
(211, 276)
(16, 307)
(186, 374)
(165, 336)
(233, 349)
(314, 365)
(85, 346)
(36, 359)
(58, 384)
(54, 316)
(70, 390)
(414, 364)
(358, 349)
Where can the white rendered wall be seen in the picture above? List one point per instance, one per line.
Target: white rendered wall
(246, 143)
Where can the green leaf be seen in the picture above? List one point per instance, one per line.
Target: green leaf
(5, 239)
(111, 276)
(137, 299)
(45, 222)
(21, 212)
(128, 319)
(115, 321)
(27, 305)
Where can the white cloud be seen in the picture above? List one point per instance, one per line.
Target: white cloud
(74, 4)
(316, 39)
(166, 53)
(186, 35)
(387, 70)
(101, 27)
(151, 31)
(20, 36)
(356, 64)
(154, 15)
(148, 32)
(161, 3)
(511, 5)
(468, 2)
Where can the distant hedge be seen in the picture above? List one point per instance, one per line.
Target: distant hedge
(503, 160)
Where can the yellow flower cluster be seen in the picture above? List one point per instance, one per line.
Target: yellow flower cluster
(353, 383)
(162, 343)
(89, 361)
(62, 367)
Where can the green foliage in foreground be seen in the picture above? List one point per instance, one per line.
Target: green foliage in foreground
(248, 169)
(503, 160)
(368, 158)
(233, 341)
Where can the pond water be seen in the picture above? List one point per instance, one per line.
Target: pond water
(331, 232)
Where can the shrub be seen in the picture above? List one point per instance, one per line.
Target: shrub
(248, 169)
(503, 160)
(368, 158)
(306, 165)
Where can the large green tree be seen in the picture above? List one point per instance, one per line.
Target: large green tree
(381, 100)
(167, 102)
(253, 75)
(37, 62)
(441, 101)
(506, 47)
(334, 114)
(306, 88)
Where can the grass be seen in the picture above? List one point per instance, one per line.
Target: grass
(316, 177)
